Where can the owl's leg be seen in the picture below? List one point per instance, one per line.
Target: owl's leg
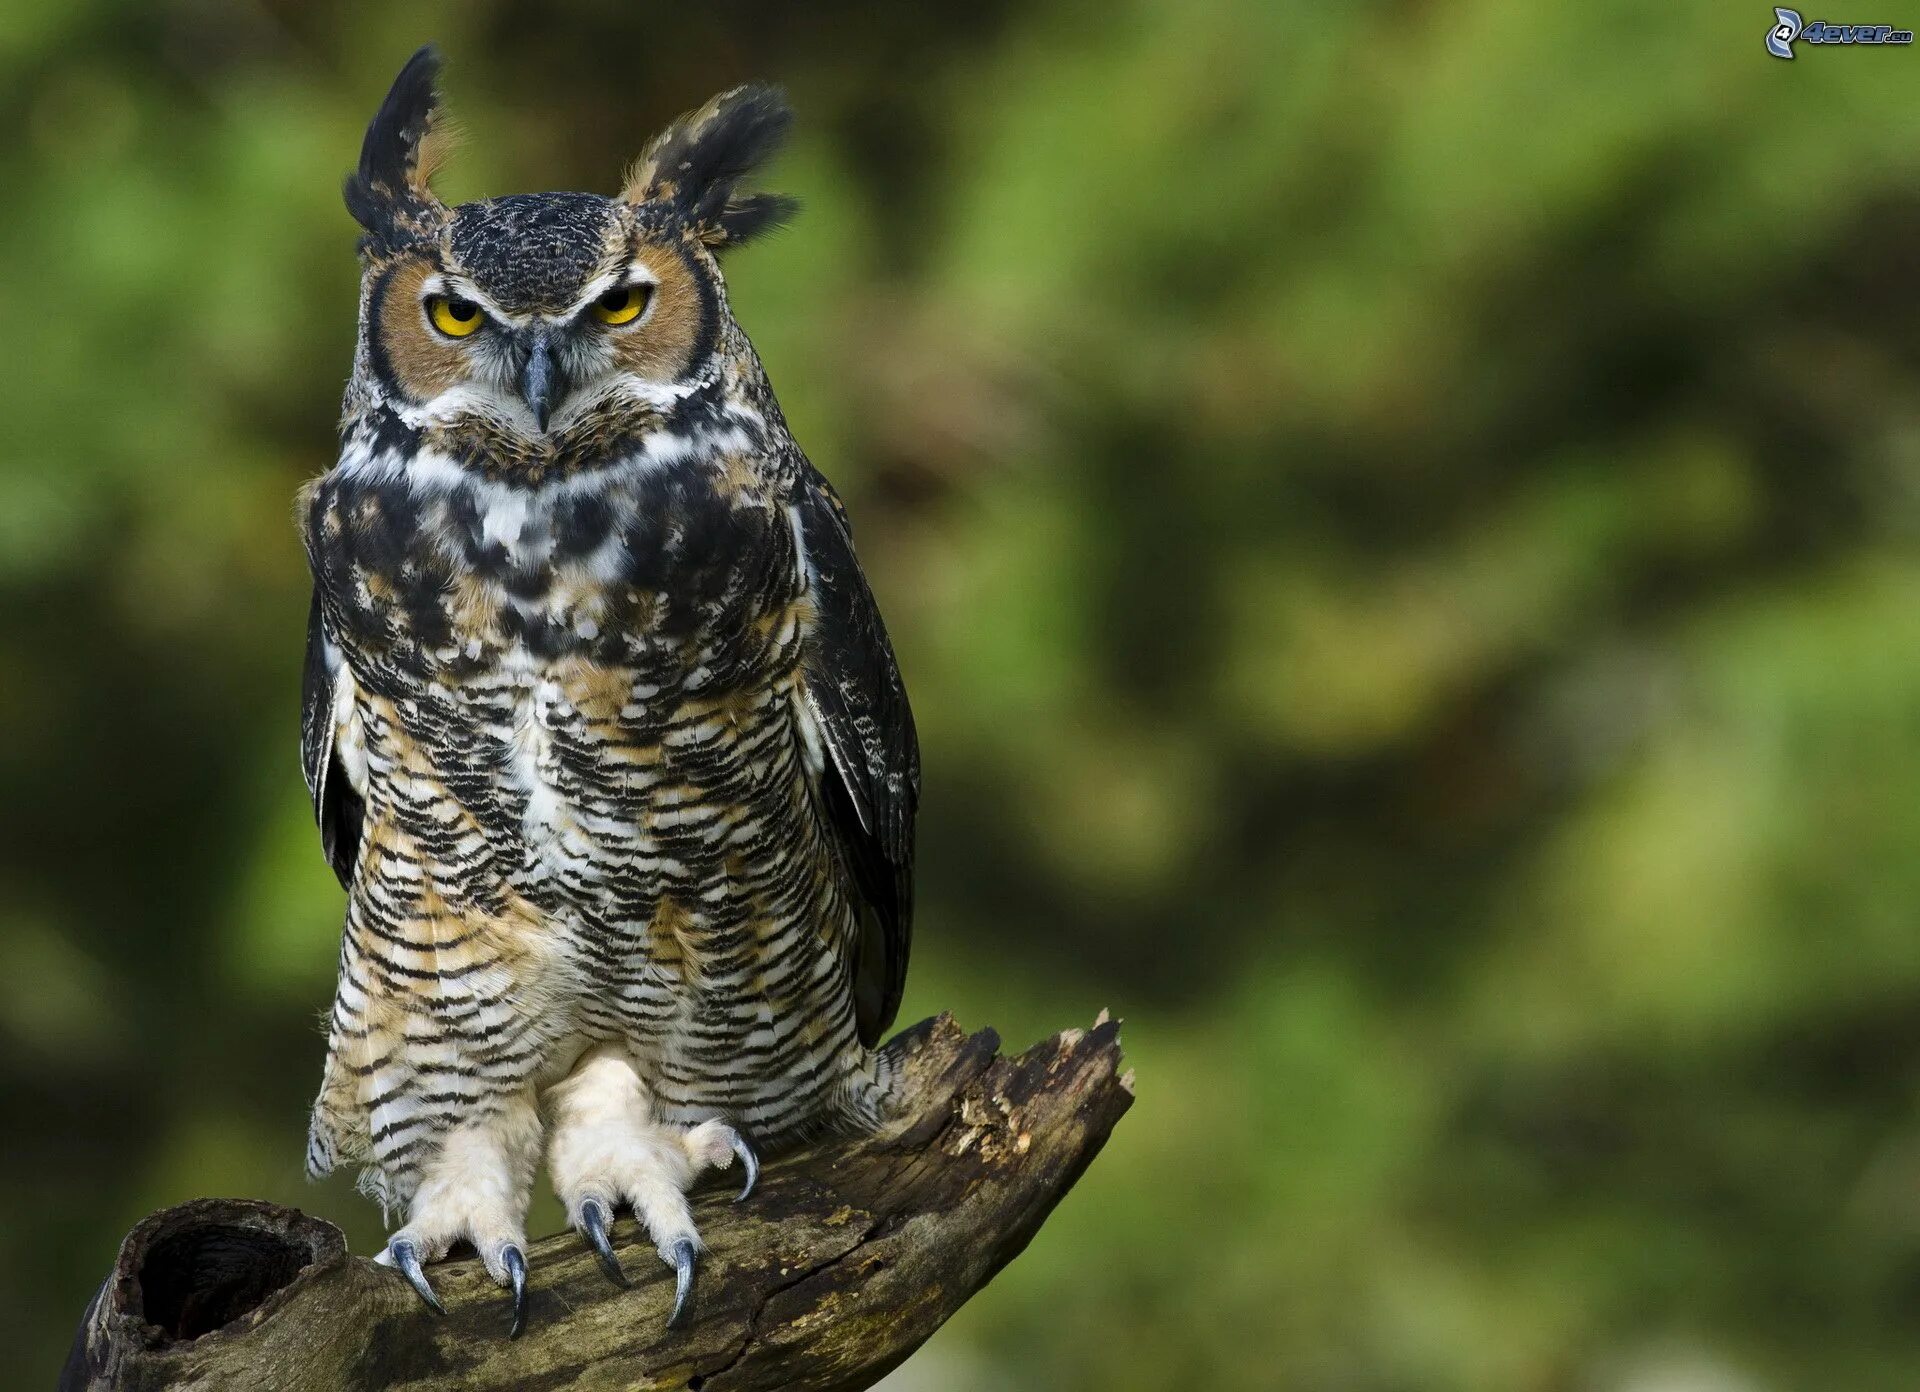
(475, 1188)
(606, 1149)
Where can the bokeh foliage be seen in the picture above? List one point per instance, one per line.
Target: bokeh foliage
(1400, 525)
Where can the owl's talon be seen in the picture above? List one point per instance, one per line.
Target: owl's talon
(406, 1260)
(749, 1161)
(681, 1257)
(594, 1218)
(515, 1262)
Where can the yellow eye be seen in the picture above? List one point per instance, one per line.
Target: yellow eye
(454, 318)
(622, 304)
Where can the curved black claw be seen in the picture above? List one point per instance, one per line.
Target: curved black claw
(406, 1260)
(750, 1161)
(681, 1255)
(593, 1226)
(516, 1263)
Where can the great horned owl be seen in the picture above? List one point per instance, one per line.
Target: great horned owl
(603, 731)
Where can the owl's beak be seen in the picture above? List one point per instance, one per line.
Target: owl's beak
(540, 377)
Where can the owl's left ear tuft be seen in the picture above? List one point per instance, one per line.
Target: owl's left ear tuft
(390, 194)
(695, 165)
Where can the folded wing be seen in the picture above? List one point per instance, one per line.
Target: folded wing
(871, 783)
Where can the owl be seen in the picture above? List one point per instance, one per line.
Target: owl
(603, 731)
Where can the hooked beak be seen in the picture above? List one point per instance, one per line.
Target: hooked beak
(540, 377)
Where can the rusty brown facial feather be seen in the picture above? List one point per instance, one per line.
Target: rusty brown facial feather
(661, 345)
(424, 363)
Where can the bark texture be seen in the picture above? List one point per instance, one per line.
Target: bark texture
(848, 1256)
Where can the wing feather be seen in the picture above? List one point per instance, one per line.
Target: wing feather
(871, 782)
(336, 806)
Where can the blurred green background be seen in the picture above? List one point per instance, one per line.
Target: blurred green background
(1400, 521)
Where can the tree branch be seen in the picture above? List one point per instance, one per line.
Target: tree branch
(849, 1255)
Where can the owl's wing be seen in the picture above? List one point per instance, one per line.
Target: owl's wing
(871, 783)
(335, 805)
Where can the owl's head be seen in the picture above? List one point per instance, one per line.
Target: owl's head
(536, 314)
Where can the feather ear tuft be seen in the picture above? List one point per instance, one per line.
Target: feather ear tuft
(695, 165)
(389, 194)
(747, 217)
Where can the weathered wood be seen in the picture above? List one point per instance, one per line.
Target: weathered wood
(848, 1256)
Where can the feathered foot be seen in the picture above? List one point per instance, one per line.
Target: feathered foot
(606, 1150)
(475, 1188)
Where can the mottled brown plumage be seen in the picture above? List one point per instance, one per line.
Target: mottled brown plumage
(604, 732)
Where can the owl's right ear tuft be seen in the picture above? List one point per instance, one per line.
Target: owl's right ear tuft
(390, 194)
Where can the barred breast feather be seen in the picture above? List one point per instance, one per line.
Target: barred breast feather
(616, 749)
